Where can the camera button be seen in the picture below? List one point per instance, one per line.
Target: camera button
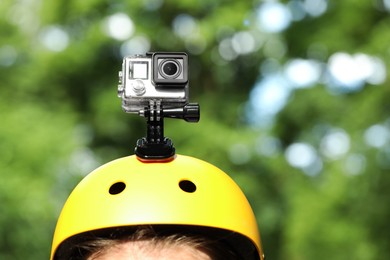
(138, 87)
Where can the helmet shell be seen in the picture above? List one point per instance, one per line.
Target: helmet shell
(184, 191)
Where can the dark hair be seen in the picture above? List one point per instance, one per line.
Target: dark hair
(94, 243)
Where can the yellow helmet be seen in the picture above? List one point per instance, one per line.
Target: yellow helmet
(185, 191)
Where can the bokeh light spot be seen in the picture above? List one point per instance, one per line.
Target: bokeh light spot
(335, 144)
(351, 72)
(377, 136)
(54, 38)
(273, 17)
(184, 25)
(244, 42)
(8, 55)
(315, 7)
(303, 73)
(267, 98)
(119, 26)
(355, 164)
(136, 45)
(239, 154)
(304, 157)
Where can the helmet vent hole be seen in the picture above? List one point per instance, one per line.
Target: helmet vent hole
(187, 186)
(117, 188)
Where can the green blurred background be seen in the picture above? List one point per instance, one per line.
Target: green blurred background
(295, 107)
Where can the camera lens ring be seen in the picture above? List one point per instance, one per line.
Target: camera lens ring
(169, 68)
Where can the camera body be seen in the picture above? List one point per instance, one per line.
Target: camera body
(155, 76)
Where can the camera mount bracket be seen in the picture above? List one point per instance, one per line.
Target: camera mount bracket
(155, 146)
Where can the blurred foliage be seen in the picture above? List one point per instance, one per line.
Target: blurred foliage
(60, 117)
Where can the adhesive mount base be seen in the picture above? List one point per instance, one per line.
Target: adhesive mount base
(154, 151)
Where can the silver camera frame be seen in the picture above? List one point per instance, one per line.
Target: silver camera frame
(142, 80)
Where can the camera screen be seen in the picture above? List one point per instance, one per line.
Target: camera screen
(139, 70)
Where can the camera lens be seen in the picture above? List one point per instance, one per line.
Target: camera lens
(170, 69)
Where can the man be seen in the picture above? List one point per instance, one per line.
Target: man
(181, 208)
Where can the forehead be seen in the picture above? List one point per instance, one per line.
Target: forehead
(147, 250)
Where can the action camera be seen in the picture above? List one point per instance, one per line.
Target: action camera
(161, 76)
